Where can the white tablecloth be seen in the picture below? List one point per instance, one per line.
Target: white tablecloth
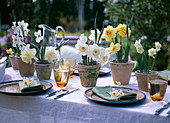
(75, 107)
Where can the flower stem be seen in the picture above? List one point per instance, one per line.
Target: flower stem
(154, 61)
(84, 60)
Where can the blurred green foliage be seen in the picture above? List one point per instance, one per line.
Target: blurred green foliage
(151, 18)
(52, 12)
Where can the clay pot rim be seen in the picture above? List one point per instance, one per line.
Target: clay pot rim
(98, 64)
(153, 73)
(129, 62)
(118, 63)
(43, 64)
(12, 56)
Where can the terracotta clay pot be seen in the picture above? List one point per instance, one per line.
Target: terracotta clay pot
(142, 79)
(121, 72)
(13, 62)
(88, 74)
(43, 71)
(25, 70)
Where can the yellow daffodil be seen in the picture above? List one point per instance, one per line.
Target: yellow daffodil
(109, 33)
(9, 51)
(122, 30)
(114, 47)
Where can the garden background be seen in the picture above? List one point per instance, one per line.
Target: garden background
(151, 18)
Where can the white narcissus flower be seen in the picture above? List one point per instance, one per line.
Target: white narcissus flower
(28, 54)
(158, 46)
(92, 36)
(121, 92)
(38, 36)
(83, 39)
(23, 25)
(94, 52)
(137, 43)
(104, 56)
(15, 28)
(82, 48)
(114, 94)
(118, 83)
(140, 49)
(29, 82)
(16, 41)
(152, 52)
(50, 54)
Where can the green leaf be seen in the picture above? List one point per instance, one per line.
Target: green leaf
(22, 30)
(113, 25)
(58, 47)
(13, 15)
(84, 59)
(127, 44)
(95, 27)
(41, 51)
(35, 46)
(131, 22)
(89, 33)
(127, 31)
(101, 33)
(77, 31)
(116, 40)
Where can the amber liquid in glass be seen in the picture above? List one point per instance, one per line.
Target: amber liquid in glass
(157, 89)
(71, 73)
(61, 77)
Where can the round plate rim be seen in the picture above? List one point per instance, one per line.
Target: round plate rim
(25, 93)
(115, 102)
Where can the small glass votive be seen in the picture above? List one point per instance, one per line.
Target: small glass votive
(61, 75)
(157, 88)
(69, 63)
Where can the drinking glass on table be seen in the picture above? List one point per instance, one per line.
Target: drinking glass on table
(69, 63)
(157, 88)
(61, 75)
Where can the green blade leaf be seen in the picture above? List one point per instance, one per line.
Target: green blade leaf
(95, 27)
(13, 15)
(61, 45)
(35, 46)
(101, 33)
(127, 30)
(113, 25)
(130, 22)
(77, 31)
